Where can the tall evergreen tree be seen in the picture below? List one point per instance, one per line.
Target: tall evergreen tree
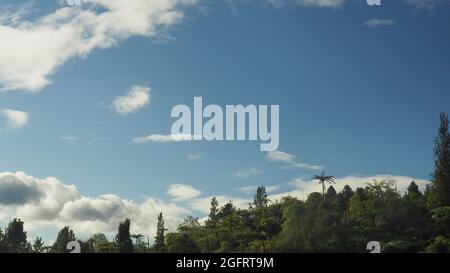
(260, 200)
(123, 237)
(441, 175)
(213, 211)
(65, 236)
(16, 237)
(160, 237)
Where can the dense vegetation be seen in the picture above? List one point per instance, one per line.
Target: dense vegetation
(329, 221)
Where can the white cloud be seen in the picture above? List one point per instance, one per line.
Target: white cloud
(378, 22)
(304, 187)
(248, 173)
(203, 204)
(14, 119)
(308, 3)
(136, 98)
(70, 139)
(28, 59)
(280, 156)
(321, 3)
(181, 192)
(194, 156)
(50, 203)
(290, 161)
(163, 138)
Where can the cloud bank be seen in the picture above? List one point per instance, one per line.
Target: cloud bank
(49, 202)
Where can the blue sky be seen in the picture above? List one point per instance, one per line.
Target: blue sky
(359, 88)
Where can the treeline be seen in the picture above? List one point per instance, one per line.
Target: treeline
(330, 221)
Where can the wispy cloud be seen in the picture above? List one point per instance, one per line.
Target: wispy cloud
(379, 22)
(70, 139)
(136, 98)
(14, 119)
(308, 3)
(290, 160)
(163, 138)
(194, 156)
(252, 189)
(248, 173)
(182, 192)
(427, 4)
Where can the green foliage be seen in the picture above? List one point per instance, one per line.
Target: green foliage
(441, 244)
(160, 238)
(38, 245)
(15, 238)
(123, 238)
(441, 174)
(65, 236)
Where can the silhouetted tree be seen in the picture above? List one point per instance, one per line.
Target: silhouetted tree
(322, 179)
(38, 245)
(65, 236)
(213, 211)
(123, 237)
(160, 230)
(16, 237)
(260, 200)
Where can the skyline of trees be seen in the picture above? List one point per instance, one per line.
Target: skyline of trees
(330, 221)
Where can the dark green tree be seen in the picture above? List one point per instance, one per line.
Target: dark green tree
(331, 193)
(38, 245)
(123, 238)
(213, 211)
(16, 237)
(260, 200)
(65, 236)
(160, 237)
(441, 174)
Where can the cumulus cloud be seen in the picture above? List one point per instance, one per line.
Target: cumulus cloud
(164, 138)
(181, 192)
(290, 160)
(136, 98)
(14, 119)
(378, 22)
(248, 173)
(28, 59)
(18, 189)
(51, 203)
